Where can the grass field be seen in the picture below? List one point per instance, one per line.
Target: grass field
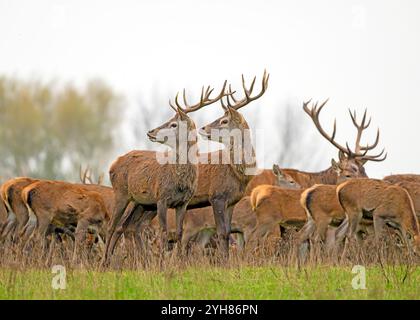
(268, 282)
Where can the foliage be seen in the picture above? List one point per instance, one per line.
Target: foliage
(48, 131)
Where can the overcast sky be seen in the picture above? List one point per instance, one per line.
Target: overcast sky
(360, 54)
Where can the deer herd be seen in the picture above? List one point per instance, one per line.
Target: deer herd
(214, 203)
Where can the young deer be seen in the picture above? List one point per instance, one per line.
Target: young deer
(142, 183)
(200, 224)
(59, 204)
(17, 214)
(381, 201)
(351, 163)
(273, 206)
(323, 211)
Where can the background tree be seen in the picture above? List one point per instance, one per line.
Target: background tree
(49, 131)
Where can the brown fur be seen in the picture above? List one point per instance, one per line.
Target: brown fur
(141, 184)
(199, 225)
(275, 206)
(10, 193)
(395, 178)
(223, 185)
(62, 204)
(305, 179)
(323, 211)
(413, 189)
(386, 203)
(3, 216)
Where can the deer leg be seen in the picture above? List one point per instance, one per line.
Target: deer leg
(163, 223)
(378, 225)
(80, 237)
(354, 219)
(145, 216)
(240, 241)
(10, 225)
(304, 237)
(228, 219)
(43, 227)
(121, 205)
(340, 236)
(180, 215)
(117, 231)
(219, 207)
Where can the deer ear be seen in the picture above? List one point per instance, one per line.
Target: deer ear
(231, 111)
(362, 161)
(277, 171)
(182, 113)
(335, 165)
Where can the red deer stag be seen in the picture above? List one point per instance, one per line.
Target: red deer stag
(320, 201)
(141, 181)
(222, 185)
(350, 162)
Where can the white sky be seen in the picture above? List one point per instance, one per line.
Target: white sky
(358, 53)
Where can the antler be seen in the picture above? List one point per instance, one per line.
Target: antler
(205, 99)
(360, 152)
(86, 176)
(237, 104)
(313, 112)
(358, 148)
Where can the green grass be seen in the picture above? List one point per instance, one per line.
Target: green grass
(214, 283)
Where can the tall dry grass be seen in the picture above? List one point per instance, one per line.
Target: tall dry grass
(387, 253)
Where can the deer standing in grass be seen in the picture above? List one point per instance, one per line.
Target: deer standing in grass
(199, 223)
(381, 201)
(320, 201)
(59, 204)
(222, 185)
(275, 207)
(350, 164)
(142, 183)
(278, 206)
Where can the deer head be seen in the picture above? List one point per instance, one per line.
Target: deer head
(284, 180)
(180, 125)
(351, 163)
(232, 119)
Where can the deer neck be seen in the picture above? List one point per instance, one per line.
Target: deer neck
(184, 154)
(328, 176)
(242, 161)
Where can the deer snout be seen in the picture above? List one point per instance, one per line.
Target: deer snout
(151, 134)
(203, 132)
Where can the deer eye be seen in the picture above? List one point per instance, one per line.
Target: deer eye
(224, 121)
(174, 125)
